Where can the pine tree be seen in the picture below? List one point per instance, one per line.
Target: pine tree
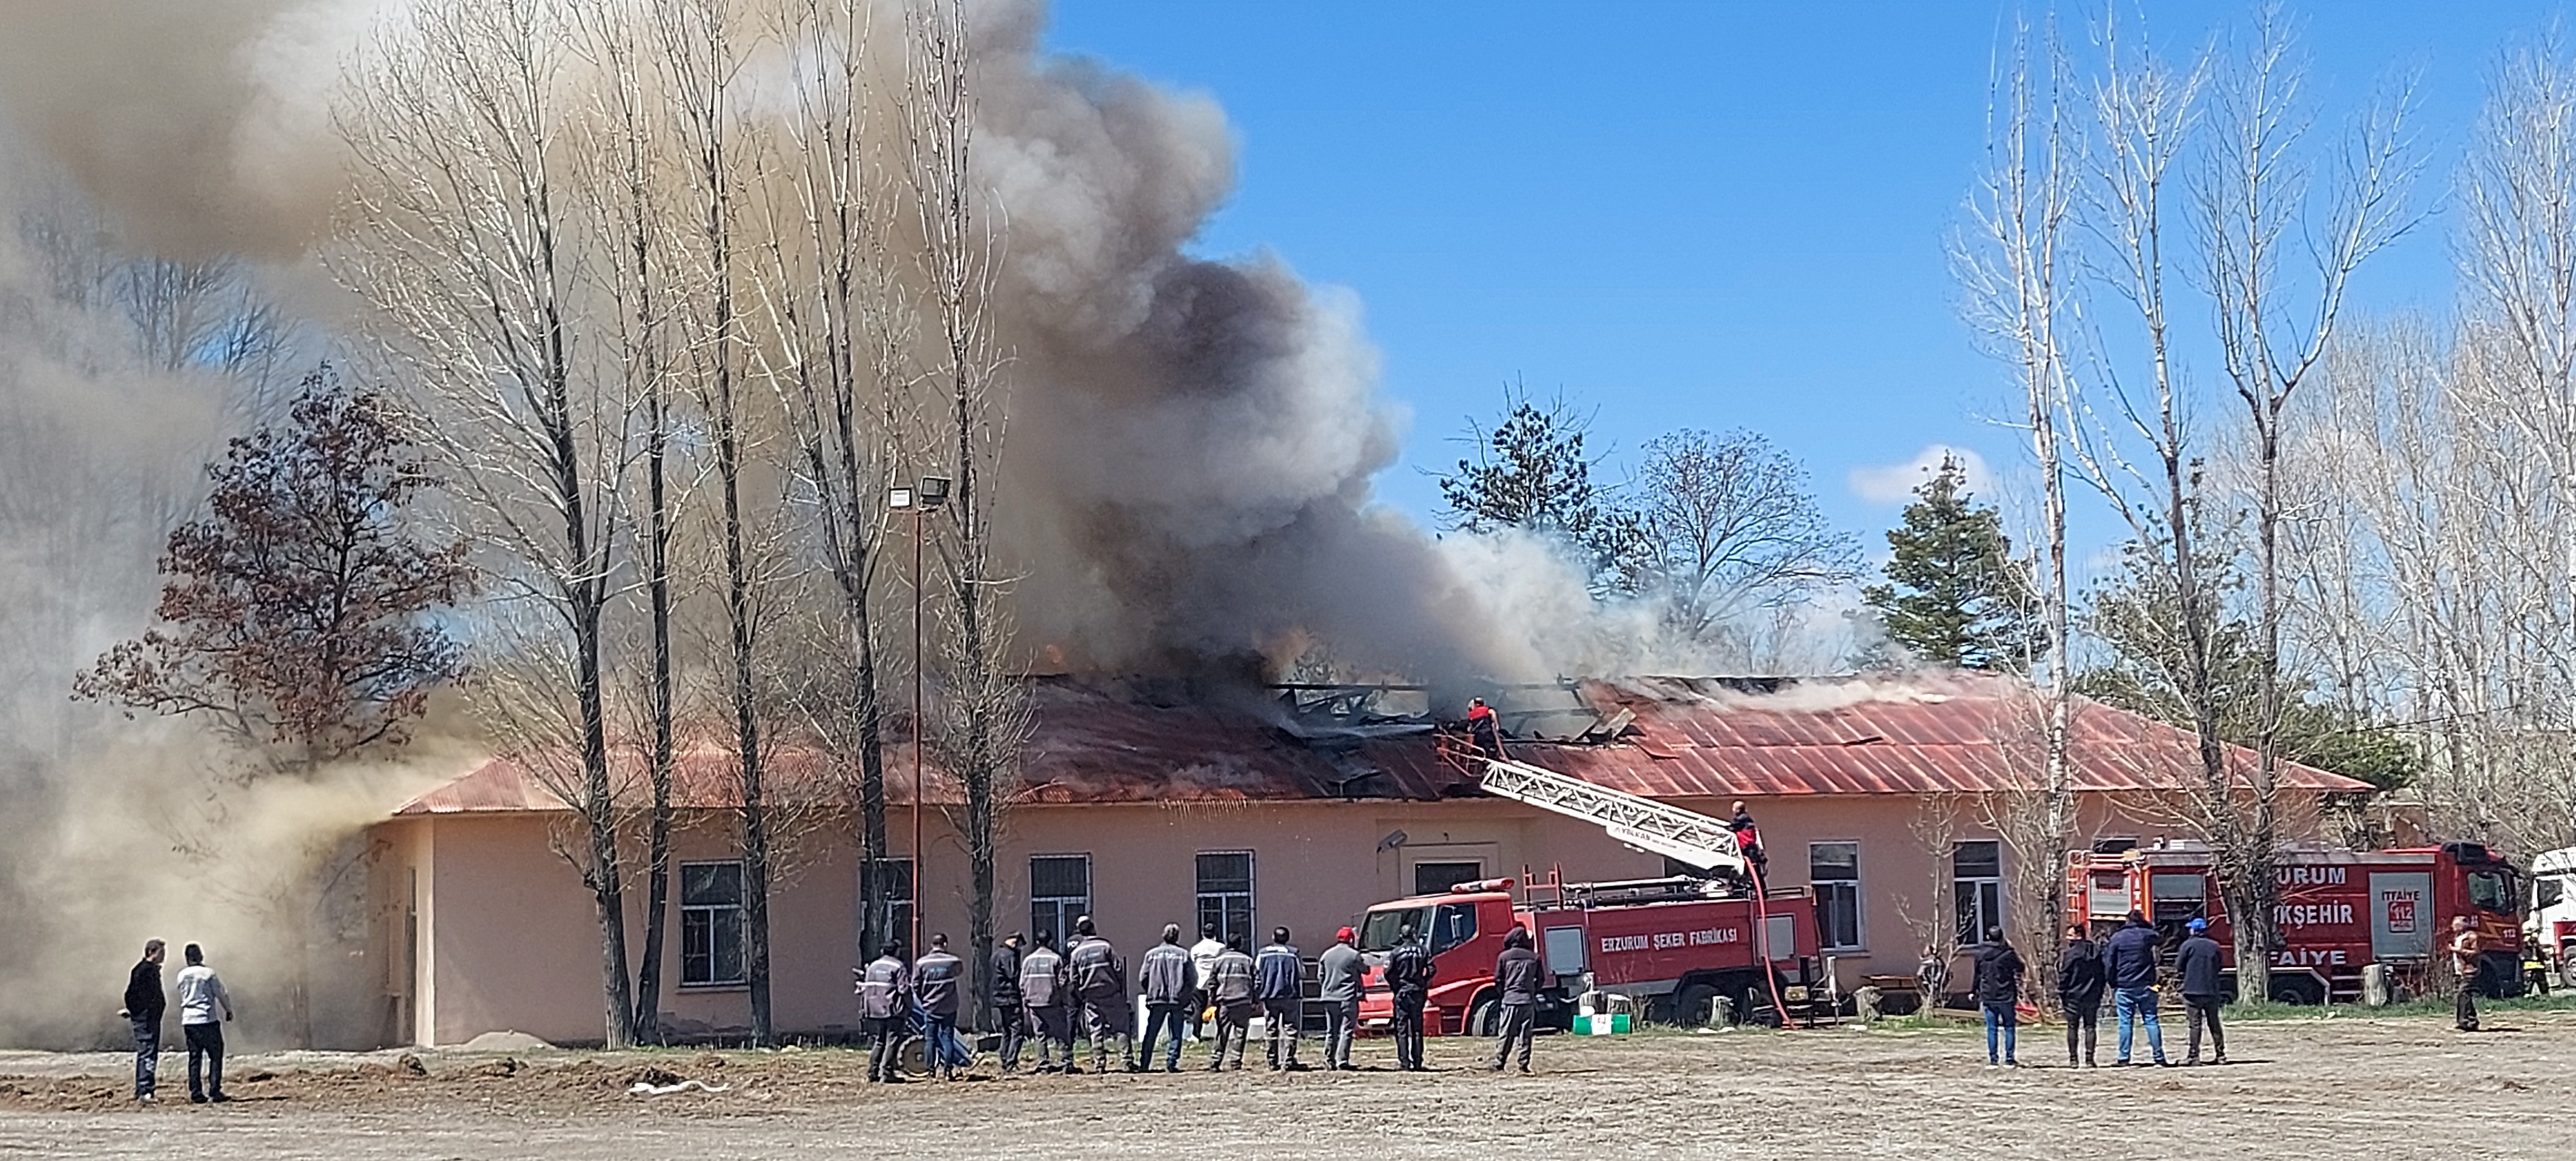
(1955, 595)
(1531, 472)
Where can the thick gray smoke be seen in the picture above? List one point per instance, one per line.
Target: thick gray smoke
(1190, 443)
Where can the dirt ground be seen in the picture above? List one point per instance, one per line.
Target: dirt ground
(2340, 1087)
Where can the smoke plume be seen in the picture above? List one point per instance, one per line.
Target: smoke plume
(1187, 473)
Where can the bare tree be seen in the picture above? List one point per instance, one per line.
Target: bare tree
(1725, 524)
(468, 245)
(2271, 334)
(837, 346)
(2008, 263)
(985, 717)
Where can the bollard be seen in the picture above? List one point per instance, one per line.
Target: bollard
(2375, 992)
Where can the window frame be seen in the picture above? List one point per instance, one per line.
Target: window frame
(700, 921)
(1478, 864)
(1844, 893)
(901, 905)
(1981, 893)
(1201, 897)
(1061, 923)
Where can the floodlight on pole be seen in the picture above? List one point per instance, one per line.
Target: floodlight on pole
(934, 491)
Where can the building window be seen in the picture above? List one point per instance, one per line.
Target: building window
(1833, 872)
(1977, 888)
(1059, 893)
(893, 881)
(1437, 878)
(710, 924)
(1225, 895)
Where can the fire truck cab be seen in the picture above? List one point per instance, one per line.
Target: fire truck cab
(1674, 946)
(2550, 931)
(2337, 911)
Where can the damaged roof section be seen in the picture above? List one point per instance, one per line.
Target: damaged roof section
(1110, 742)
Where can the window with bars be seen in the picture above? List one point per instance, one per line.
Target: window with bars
(710, 924)
(1833, 872)
(1977, 888)
(1059, 893)
(1225, 895)
(892, 879)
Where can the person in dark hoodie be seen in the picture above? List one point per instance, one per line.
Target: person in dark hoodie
(145, 1006)
(2080, 984)
(2131, 963)
(1517, 975)
(2198, 965)
(1999, 972)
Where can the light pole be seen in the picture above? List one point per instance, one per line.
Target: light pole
(916, 503)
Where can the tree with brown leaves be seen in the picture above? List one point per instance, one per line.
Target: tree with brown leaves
(297, 612)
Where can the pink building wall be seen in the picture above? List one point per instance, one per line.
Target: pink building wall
(506, 939)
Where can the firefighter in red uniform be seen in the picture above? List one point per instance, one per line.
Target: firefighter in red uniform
(1483, 731)
(1749, 839)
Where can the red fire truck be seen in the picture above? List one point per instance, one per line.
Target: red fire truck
(1673, 945)
(2337, 911)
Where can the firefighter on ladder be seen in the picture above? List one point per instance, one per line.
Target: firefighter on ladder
(1484, 732)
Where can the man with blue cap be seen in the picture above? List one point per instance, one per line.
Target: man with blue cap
(2197, 962)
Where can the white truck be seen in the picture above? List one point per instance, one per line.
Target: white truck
(2549, 927)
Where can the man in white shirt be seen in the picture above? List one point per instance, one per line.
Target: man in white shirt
(1202, 961)
(203, 1007)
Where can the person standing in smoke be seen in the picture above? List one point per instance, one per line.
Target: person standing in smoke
(1484, 731)
(144, 1007)
(203, 1007)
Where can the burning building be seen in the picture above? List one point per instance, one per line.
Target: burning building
(1143, 805)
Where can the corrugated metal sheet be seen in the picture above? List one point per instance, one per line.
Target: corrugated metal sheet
(1689, 739)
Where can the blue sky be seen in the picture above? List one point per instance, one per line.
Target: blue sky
(1686, 215)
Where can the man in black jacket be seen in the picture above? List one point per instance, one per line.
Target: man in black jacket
(1999, 972)
(1516, 978)
(2198, 964)
(1005, 1001)
(1408, 981)
(2080, 984)
(144, 1006)
(2131, 964)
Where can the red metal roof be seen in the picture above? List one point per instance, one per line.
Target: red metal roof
(1691, 738)
(1951, 733)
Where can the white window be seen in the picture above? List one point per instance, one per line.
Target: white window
(1833, 872)
(710, 924)
(893, 881)
(1977, 887)
(1059, 893)
(1225, 895)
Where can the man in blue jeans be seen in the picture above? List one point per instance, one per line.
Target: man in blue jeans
(2130, 961)
(1999, 972)
(938, 983)
(1170, 982)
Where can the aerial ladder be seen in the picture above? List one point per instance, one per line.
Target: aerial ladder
(1685, 836)
(1681, 835)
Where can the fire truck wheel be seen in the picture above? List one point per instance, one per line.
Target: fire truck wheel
(1691, 1005)
(1485, 1019)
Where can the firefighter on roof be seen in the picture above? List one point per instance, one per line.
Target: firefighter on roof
(1484, 732)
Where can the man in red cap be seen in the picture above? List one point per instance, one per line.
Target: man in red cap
(1338, 975)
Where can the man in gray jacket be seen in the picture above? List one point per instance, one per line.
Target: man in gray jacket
(1283, 998)
(1516, 976)
(1043, 993)
(885, 1010)
(1170, 983)
(1337, 975)
(938, 981)
(1099, 980)
(1233, 986)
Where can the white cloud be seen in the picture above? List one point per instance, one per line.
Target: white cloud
(1895, 483)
